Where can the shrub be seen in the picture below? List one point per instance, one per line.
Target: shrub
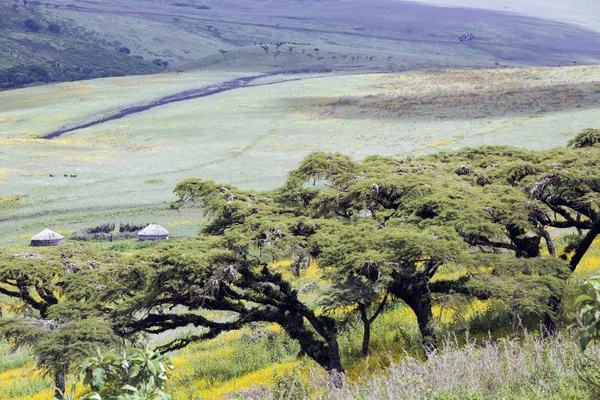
(105, 228)
(54, 28)
(32, 25)
(127, 227)
(136, 374)
(291, 386)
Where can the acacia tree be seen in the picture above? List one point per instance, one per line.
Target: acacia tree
(421, 214)
(401, 260)
(225, 269)
(52, 317)
(380, 227)
(561, 185)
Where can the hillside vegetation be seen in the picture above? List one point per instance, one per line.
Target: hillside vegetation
(38, 47)
(65, 41)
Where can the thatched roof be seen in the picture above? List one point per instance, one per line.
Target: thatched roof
(153, 230)
(47, 234)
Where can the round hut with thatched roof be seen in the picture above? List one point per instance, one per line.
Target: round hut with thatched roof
(153, 232)
(46, 238)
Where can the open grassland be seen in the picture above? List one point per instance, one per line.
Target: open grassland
(252, 136)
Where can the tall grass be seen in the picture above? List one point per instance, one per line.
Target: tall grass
(531, 368)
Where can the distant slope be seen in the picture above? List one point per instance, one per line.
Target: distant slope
(585, 13)
(38, 47)
(63, 40)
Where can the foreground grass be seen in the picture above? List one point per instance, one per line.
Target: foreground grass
(533, 368)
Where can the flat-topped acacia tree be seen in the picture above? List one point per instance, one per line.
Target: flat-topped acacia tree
(54, 313)
(225, 269)
(379, 229)
(397, 221)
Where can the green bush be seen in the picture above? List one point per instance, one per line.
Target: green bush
(135, 375)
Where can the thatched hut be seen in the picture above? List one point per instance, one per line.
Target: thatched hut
(46, 238)
(153, 232)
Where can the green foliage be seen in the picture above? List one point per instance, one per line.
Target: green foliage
(495, 319)
(29, 388)
(586, 138)
(589, 313)
(15, 361)
(58, 319)
(135, 375)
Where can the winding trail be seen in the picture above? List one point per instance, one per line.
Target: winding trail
(182, 96)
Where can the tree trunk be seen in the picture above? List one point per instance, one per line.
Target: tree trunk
(59, 384)
(422, 309)
(578, 219)
(364, 317)
(321, 347)
(417, 296)
(549, 242)
(585, 244)
(549, 318)
(334, 367)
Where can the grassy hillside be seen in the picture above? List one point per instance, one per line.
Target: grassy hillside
(65, 41)
(38, 47)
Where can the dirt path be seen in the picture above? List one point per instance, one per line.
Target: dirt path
(182, 96)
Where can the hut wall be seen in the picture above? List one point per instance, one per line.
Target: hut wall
(144, 238)
(42, 243)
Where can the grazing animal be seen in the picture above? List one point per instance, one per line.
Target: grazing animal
(51, 175)
(66, 176)
(73, 176)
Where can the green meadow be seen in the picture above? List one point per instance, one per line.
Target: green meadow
(253, 135)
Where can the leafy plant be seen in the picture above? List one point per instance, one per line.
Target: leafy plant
(589, 314)
(135, 375)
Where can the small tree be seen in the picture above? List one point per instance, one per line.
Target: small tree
(586, 138)
(32, 25)
(58, 319)
(54, 28)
